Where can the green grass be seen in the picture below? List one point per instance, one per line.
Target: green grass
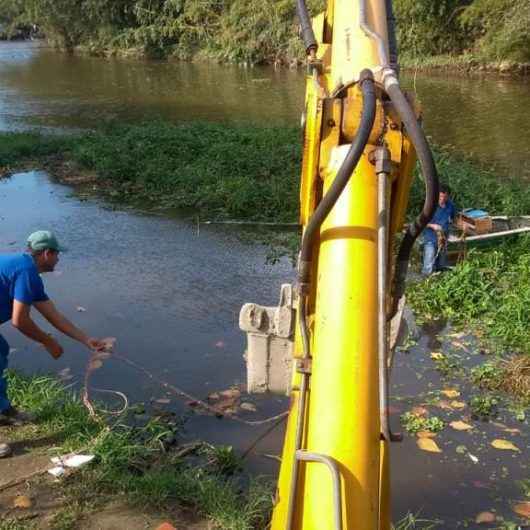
(456, 62)
(132, 463)
(489, 292)
(13, 524)
(460, 63)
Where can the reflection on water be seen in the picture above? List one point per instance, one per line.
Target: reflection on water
(486, 118)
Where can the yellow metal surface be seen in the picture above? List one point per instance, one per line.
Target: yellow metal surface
(342, 405)
(343, 417)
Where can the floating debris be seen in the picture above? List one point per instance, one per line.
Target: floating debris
(460, 426)
(485, 517)
(426, 434)
(522, 509)
(437, 356)
(451, 393)
(427, 444)
(473, 458)
(504, 445)
(419, 411)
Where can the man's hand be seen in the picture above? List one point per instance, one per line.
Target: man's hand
(95, 344)
(53, 347)
(435, 227)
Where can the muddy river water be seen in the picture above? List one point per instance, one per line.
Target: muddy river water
(171, 293)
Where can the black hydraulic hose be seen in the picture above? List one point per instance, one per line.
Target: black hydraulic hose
(366, 81)
(430, 175)
(308, 35)
(392, 40)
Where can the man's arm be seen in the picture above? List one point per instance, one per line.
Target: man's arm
(22, 320)
(48, 310)
(435, 227)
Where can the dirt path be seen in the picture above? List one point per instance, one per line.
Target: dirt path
(35, 500)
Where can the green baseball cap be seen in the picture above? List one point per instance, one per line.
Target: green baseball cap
(44, 239)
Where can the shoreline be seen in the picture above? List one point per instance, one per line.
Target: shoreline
(458, 65)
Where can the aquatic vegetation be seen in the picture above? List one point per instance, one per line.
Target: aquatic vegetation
(487, 375)
(222, 458)
(489, 292)
(449, 365)
(17, 147)
(484, 406)
(414, 423)
(524, 485)
(474, 185)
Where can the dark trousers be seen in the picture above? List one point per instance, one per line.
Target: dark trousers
(4, 353)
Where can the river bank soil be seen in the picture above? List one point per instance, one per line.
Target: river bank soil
(43, 503)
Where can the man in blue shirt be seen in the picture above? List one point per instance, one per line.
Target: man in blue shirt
(436, 232)
(20, 288)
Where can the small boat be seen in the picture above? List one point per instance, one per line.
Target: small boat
(503, 228)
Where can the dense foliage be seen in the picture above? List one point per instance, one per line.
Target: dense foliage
(489, 292)
(257, 31)
(428, 27)
(492, 29)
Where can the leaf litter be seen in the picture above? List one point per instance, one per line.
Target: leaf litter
(429, 445)
(485, 517)
(460, 426)
(522, 509)
(504, 445)
(451, 393)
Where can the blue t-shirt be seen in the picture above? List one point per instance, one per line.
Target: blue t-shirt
(19, 280)
(442, 217)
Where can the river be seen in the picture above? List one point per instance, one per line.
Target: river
(171, 292)
(484, 117)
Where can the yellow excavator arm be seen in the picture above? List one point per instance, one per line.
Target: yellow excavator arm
(361, 142)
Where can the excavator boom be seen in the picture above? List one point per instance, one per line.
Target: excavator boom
(361, 136)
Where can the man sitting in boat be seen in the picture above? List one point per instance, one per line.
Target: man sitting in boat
(436, 232)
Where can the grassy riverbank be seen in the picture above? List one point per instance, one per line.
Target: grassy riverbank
(463, 64)
(135, 468)
(141, 466)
